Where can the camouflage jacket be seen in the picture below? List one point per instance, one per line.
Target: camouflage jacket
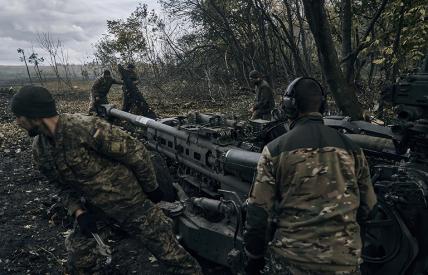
(264, 102)
(317, 184)
(133, 75)
(102, 86)
(92, 159)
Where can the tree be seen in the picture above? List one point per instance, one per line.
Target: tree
(343, 93)
(57, 57)
(23, 59)
(125, 39)
(36, 60)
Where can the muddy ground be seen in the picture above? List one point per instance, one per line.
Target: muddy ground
(33, 225)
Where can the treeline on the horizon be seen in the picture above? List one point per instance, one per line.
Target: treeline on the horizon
(11, 75)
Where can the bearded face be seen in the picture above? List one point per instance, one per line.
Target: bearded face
(32, 126)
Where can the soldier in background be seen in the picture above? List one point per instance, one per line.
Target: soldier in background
(314, 184)
(264, 102)
(99, 91)
(133, 100)
(128, 92)
(106, 180)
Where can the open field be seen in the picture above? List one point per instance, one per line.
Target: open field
(17, 75)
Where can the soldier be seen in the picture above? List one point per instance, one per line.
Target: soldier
(129, 93)
(99, 91)
(264, 102)
(106, 179)
(314, 185)
(133, 100)
(132, 73)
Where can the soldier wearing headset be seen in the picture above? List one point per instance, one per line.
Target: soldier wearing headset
(313, 184)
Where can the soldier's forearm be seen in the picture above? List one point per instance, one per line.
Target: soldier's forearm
(255, 231)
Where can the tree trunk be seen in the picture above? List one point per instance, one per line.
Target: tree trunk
(306, 52)
(343, 93)
(346, 15)
(396, 44)
(26, 66)
(38, 72)
(265, 50)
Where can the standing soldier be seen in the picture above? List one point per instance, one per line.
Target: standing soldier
(130, 93)
(314, 183)
(106, 178)
(133, 100)
(264, 102)
(99, 91)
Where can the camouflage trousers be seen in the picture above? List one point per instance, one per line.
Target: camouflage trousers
(151, 229)
(278, 265)
(127, 100)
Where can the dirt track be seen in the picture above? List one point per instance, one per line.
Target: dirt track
(32, 225)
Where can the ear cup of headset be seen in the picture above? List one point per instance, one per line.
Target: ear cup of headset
(289, 101)
(289, 107)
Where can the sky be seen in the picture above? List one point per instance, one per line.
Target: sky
(77, 23)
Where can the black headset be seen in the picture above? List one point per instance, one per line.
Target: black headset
(289, 103)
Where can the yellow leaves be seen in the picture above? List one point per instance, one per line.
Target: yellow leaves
(379, 61)
(368, 38)
(388, 50)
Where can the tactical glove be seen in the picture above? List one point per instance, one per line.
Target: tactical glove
(87, 224)
(156, 195)
(254, 266)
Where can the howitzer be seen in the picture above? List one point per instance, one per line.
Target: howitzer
(215, 161)
(396, 239)
(215, 167)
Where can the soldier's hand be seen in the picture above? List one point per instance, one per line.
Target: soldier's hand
(87, 224)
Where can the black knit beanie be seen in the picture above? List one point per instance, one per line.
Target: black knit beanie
(33, 102)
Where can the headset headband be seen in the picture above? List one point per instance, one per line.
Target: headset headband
(290, 89)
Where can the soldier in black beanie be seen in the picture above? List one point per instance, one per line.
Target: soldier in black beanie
(86, 157)
(35, 110)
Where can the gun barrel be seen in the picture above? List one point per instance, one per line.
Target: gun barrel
(377, 144)
(134, 119)
(241, 163)
(193, 151)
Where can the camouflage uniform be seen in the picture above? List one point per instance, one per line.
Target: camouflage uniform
(129, 93)
(315, 183)
(264, 102)
(91, 159)
(99, 90)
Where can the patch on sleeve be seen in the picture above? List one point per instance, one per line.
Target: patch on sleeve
(116, 147)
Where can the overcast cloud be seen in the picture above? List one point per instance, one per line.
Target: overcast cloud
(77, 23)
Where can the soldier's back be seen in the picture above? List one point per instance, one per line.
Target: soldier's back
(315, 176)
